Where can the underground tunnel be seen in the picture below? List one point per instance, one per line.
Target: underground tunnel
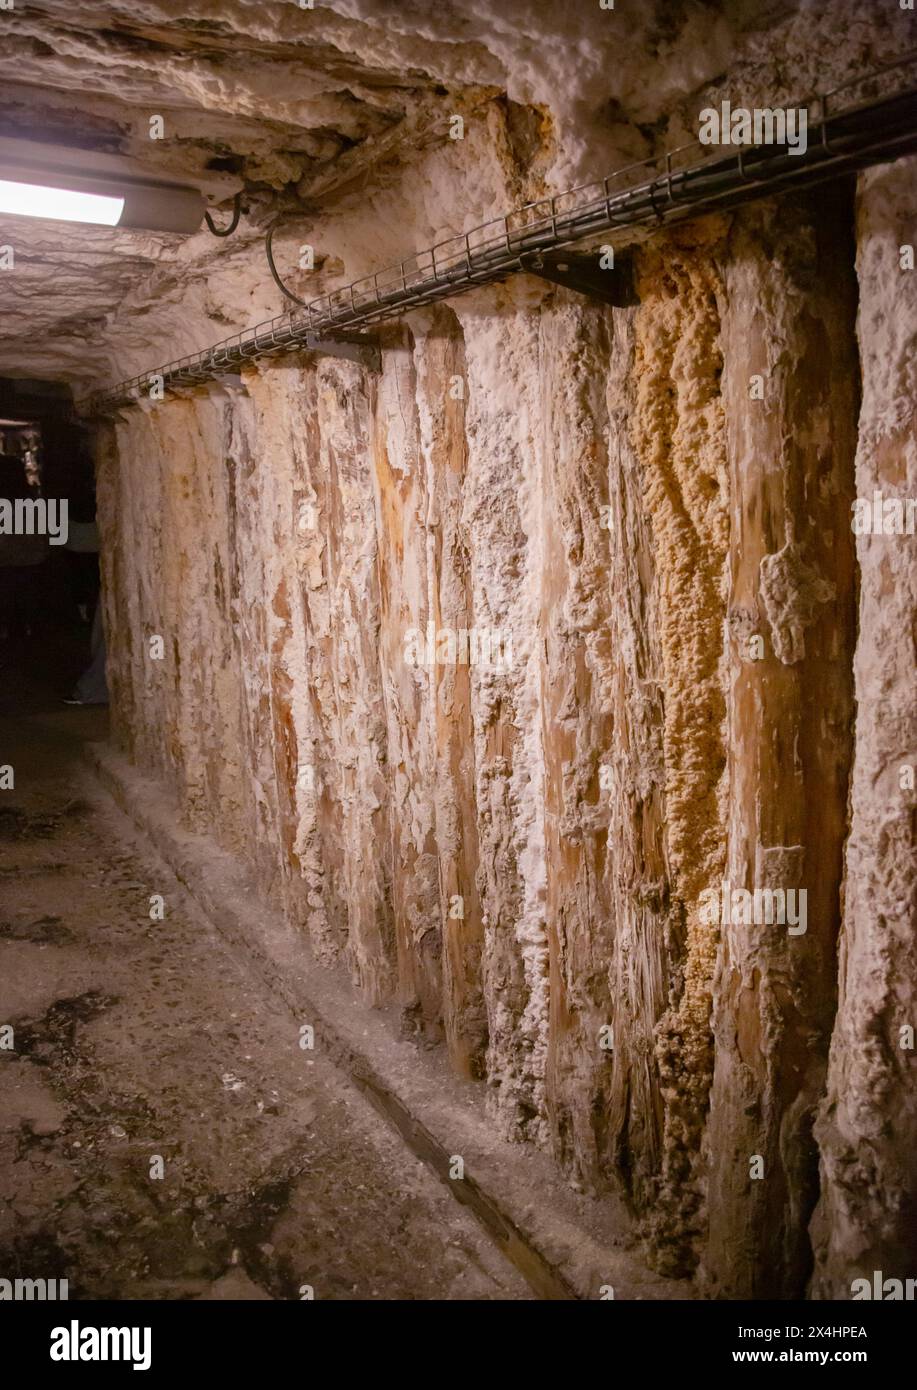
(457, 634)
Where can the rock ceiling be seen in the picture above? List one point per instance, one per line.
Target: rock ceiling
(293, 105)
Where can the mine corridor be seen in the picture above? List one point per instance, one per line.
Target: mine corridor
(458, 478)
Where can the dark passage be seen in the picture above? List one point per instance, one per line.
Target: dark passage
(49, 563)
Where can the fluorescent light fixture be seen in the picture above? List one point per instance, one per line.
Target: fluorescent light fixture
(59, 204)
(74, 185)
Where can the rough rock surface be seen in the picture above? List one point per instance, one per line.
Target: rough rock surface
(648, 507)
(867, 1128)
(788, 314)
(580, 800)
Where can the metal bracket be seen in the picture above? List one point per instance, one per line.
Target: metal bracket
(586, 275)
(363, 348)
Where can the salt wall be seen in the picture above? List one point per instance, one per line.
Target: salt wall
(651, 508)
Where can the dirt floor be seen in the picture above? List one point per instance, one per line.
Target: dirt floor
(136, 1040)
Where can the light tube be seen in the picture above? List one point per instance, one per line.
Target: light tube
(59, 204)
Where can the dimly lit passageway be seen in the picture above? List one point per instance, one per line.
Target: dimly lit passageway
(458, 495)
(141, 1041)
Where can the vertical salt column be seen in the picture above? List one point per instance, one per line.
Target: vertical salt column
(347, 614)
(401, 506)
(162, 513)
(602, 737)
(214, 717)
(790, 393)
(270, 547)
(502, 509)
(251, 590)
(632, 780)
(678, 436)
(131, 508)
(578, 727)
(118, 594)
(310, 614)
(439, 357)
(866, 1222)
